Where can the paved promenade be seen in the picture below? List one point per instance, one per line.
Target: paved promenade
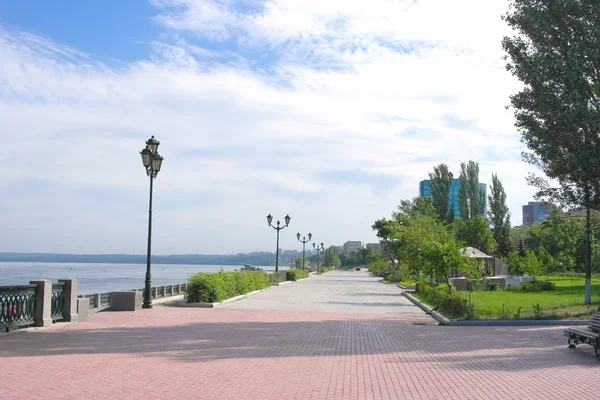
(294, 342)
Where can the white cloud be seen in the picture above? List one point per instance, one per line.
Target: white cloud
(387, 88)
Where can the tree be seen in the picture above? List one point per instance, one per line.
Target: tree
(555, 54)
(499, 216)
(330, 258)
(475, 232)
(299, 262)
(441, 183)
(390, 248)
(471, 198)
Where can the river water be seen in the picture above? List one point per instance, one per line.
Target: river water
(101, 278)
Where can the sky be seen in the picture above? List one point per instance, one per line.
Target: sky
(329, 110)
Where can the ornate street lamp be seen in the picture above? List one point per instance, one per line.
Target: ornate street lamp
(304, 241)
(278, 228)
(152, 161)
(318, 255)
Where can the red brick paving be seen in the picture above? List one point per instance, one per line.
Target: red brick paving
(193, 353)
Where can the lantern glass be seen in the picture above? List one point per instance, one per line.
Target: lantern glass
(309, 236)
(269, 219)
(287, 219)
(298, 235)
(146, 157)
(157, 162)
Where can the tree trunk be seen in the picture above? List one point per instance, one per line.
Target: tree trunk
(588, 256)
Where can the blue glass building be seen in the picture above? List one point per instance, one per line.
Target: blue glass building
(424, 191)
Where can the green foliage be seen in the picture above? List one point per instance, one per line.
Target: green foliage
(211, 288)
(475, 232)
(331, 258)
(295, 274)
(537, 286)
(277, 277)
(553, 53)
(327, 269)
(537, 311)
(299, 262)
(450, 304)
(378, 267)
(357, 268)
(441, 183)
(471, 198)
(499, 216)
(492, 287)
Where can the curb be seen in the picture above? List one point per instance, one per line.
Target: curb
(280, 283)
(408, 289)
(215, 305)
(162, 300)
(435, 315)
(522, 322)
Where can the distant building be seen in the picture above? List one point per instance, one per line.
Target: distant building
(375, 247)
(352, 247)
(535, 211)
(425, 191)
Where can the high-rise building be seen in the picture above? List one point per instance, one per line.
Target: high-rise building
(352, 247)
(535, 211)
(424, 191)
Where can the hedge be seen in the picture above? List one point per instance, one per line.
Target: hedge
(295, 274)
(326, 269)
(212, 288)
(451, 304)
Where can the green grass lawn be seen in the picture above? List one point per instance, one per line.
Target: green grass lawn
(565, 302)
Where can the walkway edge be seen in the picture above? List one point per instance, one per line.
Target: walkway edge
(438, 317)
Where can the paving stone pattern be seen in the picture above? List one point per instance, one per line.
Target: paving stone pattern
(246, 353)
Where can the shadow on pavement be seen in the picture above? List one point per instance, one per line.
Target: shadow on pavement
(468, 348)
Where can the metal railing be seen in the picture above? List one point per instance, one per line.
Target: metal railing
(17, 306)
(58, 301)
(156, 292)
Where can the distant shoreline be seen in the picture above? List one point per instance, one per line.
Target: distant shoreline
(263, 259)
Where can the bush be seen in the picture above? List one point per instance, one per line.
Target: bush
(212, 288)
(492, 287)
(538, 286)
(295, 274)
(391, 278)
(451, 304)
(409, 283)
(357, 268)
(279, 276)
(326, 269)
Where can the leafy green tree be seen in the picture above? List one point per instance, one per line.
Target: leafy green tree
(390, 248)
(499, 216)
(471, 198)
(330, 258)
(299, 262)
(441, 183)
(554, 53)
(475, 232)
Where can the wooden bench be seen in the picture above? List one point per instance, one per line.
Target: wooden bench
(590, 336)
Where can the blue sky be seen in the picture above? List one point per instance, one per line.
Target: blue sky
(329, 111)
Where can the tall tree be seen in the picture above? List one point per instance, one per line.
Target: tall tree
(555, 53)
(441, 183)
(471, 198)
(475, 232)
(499, 216)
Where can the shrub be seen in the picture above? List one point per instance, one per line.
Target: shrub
(450, 304)
(538, 286)
(357, 268)
(409, 283)
(492, 287)
(211, 288)
(295, 274)
(280, 276)
(391, 278)
(326, 269)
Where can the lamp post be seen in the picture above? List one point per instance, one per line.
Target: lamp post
(278, 228)
(304, 241)
(152, 161)
(318, 255)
